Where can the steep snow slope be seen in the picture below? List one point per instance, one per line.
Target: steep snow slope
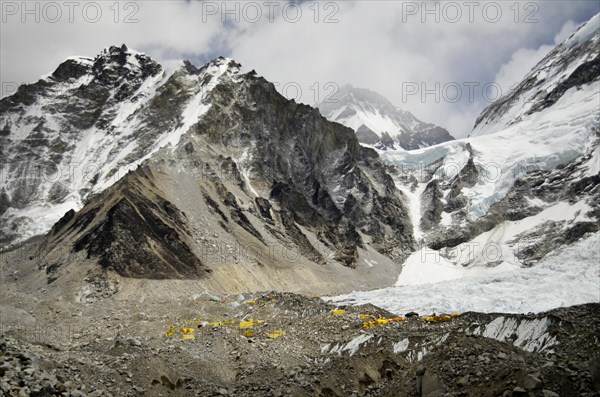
(377, 122)
(574, 62)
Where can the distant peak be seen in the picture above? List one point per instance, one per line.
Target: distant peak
(351, 95)
(377, 122)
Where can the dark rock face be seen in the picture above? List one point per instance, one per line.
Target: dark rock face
(140, 244)
(467, 177)
(584, 74)
(70, 69)
(365, 135)
(133, 231)
(305, 158)
(294, 234)
(321, 194)
(4, 202)
(264, 208)
(385, 142)
(552, 235)
(239, 217)
(431, 205)
(424, 137)
(58, 226)
(469, 174)
(455, 200)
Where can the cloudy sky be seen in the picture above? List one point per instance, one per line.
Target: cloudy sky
(444, 61)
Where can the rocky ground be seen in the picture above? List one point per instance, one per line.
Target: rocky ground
(280, 344)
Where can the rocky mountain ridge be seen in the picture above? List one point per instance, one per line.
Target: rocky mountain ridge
(239, 163)
(79, 130)
(218, 158)
(196, 188)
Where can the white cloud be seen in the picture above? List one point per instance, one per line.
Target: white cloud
(568, 28)
(521, 62)
(375, 44)
(372, 47)
(36, 48)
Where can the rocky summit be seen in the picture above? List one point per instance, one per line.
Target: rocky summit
(186, 230)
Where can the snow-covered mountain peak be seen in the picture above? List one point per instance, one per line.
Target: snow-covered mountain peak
(360, 98)
(378, 122)
(120, 54)
(215, 67)
(588, 31)
(572, 64)
(115, 63)
(77, 131)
